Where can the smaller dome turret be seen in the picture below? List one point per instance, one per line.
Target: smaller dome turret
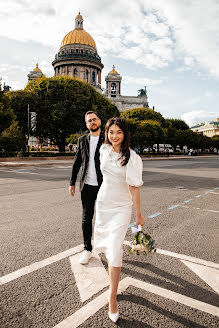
(37, 69)
(113, 71)
(79, 21)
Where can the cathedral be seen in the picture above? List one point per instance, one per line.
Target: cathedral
(78, 57)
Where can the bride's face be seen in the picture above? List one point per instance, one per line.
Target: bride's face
(115, 135)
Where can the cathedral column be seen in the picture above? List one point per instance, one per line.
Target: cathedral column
(99, 77)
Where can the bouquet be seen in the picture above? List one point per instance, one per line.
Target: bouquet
(142, 243)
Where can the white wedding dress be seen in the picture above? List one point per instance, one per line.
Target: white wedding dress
(114, 202)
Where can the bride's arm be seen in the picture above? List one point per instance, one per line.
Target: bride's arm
(136, 200)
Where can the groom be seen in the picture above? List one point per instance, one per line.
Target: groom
(87, 158)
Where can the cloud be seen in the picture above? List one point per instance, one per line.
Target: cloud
(198, 116)
(195, 30)
(19, 58)
(208, 93)
(140, 81)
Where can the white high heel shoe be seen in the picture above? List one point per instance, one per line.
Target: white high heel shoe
(114, 316)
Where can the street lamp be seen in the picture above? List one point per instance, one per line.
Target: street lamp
(28, 129)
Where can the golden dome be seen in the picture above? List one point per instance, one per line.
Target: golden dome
(36, 69)
(79, 16)
(113, 71)
(78, 36)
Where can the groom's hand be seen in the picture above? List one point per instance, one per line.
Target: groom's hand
(72, 190)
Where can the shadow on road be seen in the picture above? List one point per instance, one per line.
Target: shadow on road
(177, 285)
(149, 305)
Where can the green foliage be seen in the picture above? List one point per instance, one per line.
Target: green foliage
(6, 114)
(176, 123)
(12, 139)
(73, 138)
(215, 142)
(63, 104)
(193, 140)
(143, 114)
(19, 101)
(144, 133)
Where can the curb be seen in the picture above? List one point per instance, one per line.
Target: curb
(68, 161)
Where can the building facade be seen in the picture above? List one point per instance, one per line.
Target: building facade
(35, 74)
(209, 129)
(78, 56)
(113, 92)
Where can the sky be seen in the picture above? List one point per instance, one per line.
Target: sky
(171, 47)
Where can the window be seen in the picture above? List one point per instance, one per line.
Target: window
(87, 75)
(93, 77)
(113, 89)
(75, 72)
(82, 51)
(76, 51)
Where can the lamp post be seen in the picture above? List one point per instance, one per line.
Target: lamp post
(28, 129)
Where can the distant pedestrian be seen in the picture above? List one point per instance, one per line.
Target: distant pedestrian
(87, 158)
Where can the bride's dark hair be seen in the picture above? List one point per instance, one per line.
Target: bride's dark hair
(121, 123)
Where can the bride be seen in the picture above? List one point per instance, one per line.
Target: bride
(122, 176)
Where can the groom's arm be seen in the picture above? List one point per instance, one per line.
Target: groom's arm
(76, 164)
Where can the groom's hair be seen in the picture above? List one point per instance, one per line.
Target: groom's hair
(91, 112)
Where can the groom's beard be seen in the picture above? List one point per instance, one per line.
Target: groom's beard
(95, 129)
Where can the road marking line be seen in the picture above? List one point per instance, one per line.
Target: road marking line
(154, 215)
(197, 196)
(55, 258)
(209, 275)
(90, 278)
(172, 207)
(212, 211)
(38, 265)
(84, 313)
(182, 257)
(198, 208)
(188, 200)
(189, 258)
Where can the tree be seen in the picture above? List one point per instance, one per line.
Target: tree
(176, 123)
(170, 134)
(6, 114)
(144, 133)
(12, 139)
(215, 141)
(63, 102)
(143, 114)
(19, 101)
(73, 138)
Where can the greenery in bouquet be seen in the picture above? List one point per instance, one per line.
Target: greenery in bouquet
(142, 244)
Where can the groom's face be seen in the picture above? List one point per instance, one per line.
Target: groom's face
(93, 122)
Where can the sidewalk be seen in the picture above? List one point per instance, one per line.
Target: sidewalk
(20, 162)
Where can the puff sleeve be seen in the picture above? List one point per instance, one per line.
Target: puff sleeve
(134, 170)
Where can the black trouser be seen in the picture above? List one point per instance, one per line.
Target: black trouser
(88, 198)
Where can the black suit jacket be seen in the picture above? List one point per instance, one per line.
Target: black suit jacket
(82, 158)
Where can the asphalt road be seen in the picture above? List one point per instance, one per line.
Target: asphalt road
(39, 221)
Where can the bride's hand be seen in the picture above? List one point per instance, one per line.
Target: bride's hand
(140, 220)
